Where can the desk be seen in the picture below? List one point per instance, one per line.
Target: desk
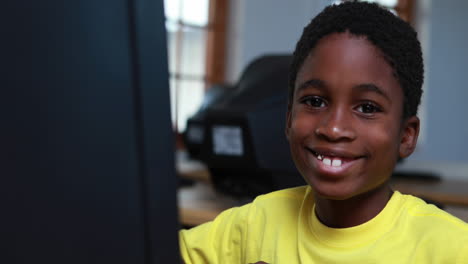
(200, 203)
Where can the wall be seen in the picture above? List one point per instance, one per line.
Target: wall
(445, 148)
(447, 108)
(258, 27)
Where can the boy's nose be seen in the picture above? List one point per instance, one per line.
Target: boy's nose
(336, 126)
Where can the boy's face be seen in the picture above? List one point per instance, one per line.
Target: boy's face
(345, 125)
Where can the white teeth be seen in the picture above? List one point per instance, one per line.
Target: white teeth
(330, 162)
(336, 163)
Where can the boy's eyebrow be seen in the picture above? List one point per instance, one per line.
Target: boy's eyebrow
(369, 87)
(312, 82)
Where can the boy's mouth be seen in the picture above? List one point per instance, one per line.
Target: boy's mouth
(334, 160)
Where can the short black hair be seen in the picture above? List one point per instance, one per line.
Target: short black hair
(395, 38)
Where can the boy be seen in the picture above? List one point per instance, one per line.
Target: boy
(355, 86)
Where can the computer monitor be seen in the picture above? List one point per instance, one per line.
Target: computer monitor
(86, 146)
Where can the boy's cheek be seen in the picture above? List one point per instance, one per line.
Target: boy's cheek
(300, 125)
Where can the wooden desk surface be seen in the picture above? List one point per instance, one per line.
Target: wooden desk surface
(200, 203)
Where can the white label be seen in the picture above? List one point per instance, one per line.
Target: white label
(227, 140)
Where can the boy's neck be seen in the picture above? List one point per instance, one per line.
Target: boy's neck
(354, 211)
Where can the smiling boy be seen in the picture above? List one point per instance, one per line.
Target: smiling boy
(355, 86)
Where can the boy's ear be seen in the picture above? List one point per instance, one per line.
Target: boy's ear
(288, 124)
(409, 136)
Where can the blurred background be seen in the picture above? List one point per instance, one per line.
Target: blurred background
(212, 41)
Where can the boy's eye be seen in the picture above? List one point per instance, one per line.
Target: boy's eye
(368, 108)
(314, 101)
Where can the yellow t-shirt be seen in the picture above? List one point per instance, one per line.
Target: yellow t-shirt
(281, 227)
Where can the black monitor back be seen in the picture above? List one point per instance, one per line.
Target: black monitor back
(87, 171)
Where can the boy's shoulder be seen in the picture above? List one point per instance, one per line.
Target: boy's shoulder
(420, 209)
(436, 232)
(431, 220)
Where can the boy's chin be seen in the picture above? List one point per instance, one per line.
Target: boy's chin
(331, 191)
(333, 195)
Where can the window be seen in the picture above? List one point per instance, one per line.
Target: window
(195, 35)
